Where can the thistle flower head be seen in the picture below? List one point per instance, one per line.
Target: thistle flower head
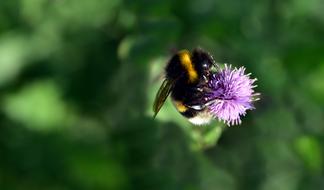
(231, 94)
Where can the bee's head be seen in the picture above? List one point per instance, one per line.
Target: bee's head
(203, 61)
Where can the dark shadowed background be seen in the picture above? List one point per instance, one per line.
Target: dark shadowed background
(78, 78)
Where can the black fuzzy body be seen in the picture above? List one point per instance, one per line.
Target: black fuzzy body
(190, 93)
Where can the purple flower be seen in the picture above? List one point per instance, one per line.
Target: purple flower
(231, 94)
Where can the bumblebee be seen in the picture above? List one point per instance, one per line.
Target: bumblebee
(186, 78)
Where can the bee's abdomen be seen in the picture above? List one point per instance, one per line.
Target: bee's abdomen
(184, 110)
(197, 117)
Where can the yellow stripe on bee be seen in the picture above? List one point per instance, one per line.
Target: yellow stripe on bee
(185, 60)
(180, 106)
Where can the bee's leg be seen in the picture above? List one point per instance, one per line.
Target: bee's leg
(205, 79)
(200, 89)
(197, 107)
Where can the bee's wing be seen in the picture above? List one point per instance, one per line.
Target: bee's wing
(162, 95)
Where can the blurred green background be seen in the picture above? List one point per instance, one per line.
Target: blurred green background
(78, 78)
